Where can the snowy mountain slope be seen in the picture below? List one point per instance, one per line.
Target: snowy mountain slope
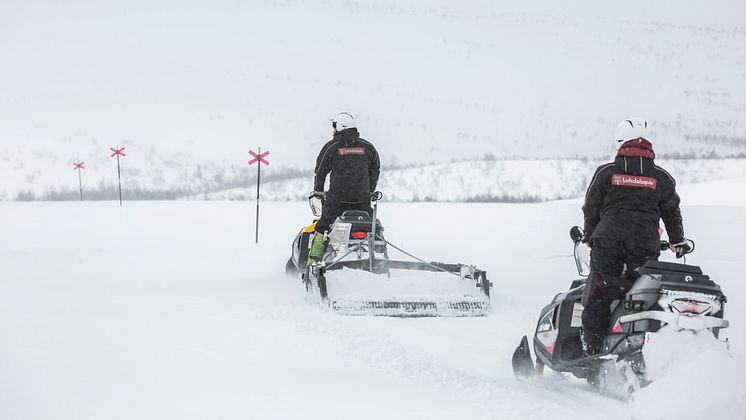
(484, 181)
(431, 80)
(168, 310)
(521, 180)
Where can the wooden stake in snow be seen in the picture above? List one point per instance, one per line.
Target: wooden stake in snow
(118, 152)
(258, 157)
(79, 166)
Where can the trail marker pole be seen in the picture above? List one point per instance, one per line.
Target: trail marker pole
(258, 158)
(118, 152)
(79, 166)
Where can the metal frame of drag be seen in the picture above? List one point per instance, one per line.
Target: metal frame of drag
(418, 307)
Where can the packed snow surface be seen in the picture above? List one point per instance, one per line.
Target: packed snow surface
(169, 310)
(695, 368)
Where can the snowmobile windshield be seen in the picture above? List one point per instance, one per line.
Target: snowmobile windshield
(582, 256)
(316, 203)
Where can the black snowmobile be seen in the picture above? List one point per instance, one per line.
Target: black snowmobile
(357, 242)
(666, 295)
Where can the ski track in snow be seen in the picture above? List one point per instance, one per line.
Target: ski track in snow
(168, 310)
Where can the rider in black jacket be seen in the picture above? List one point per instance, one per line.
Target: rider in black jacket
(623, 206)
(353, 166)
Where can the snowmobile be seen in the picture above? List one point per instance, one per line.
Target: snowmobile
(666, 296)
(356, 242)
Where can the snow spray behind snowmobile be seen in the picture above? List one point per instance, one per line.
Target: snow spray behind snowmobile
(665, 297)
(356, 242)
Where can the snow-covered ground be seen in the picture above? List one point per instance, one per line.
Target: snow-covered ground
(169, 310)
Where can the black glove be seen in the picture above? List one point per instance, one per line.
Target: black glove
(681, 248)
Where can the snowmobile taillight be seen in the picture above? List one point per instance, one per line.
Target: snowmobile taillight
(617, 328)
(684, 306)
(686, 302)
(359, 235)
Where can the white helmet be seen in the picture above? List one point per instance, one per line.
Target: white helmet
(343, 121)
(631, 129)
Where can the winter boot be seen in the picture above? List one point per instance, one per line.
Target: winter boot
(592, 343)
(317, 248)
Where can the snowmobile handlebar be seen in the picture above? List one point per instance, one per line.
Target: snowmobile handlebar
(686, 249)
(316, 200)
(577, 235)
(374, 196)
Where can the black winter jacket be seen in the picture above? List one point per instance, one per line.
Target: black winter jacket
(627, 198)
(354, 165)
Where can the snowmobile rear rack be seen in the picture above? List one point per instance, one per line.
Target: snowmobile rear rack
(676, 321)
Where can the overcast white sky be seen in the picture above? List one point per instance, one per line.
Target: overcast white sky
(429, 79)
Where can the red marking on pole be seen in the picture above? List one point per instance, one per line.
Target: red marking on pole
(117, 152)
(78, 165)
(258, 158)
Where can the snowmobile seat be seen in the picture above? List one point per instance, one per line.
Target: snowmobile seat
(653, 266)
(350, 214)
(361, 221)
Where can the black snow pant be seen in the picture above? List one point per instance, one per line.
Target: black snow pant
(607, 283)
(334, 208)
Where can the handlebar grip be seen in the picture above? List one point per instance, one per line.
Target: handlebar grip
(576, 234)
(686, 249)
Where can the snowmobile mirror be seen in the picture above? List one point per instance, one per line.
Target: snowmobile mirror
(316, 204)
(576, 234)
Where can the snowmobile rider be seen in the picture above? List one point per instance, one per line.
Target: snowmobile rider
(354, 166)
(623, 206)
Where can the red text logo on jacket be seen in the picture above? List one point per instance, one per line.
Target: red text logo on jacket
(351, 151)
(634, 181)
